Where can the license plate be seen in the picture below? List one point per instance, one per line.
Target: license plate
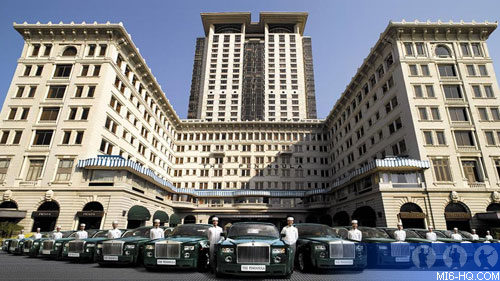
(26, 250)
(258, 268)
(12, 248)
(166, 262)
(74, 255)
(46, 252)
(111, 258)
(344, 262)
(402, 259)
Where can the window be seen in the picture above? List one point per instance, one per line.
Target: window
(495, 114)
(20, 91)
(483, 114)
(79, 91)
(17, 137)
(458, 114)
(56, 92)
(476, 89)
(447, 70)
(442, 170)
(425, 70)
(488, 91)
(413, 69)
(106, 147)
(27, 70)
(4, 166)
(85, 113)
(35, 169)
(91, 91)
(24, 113)
(482, 70)
(420, 49)
(465, 49)
(408, 48)
(12, 113)
(97, 70)
(72, 113)
(435, 114)
(476, 49)
(49, 114)
(102, 51)
(490, 138)
(46, 52)
(442, 51)
(66, 137)
(35, 50)
(79, 137)
(418, 91)
(92, 48)
(32, 91)
(63, 70)
(423, 114)
(464, 138)
(471, 70)
(428, 138)
(64, 170)
(5, 137)
(472, 171)
(440, 138)
(452, 91)
(395, 125)
(39, 69)
(69, 52)
(85, 70)
(43, 137)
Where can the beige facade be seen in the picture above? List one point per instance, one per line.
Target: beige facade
(87, 134)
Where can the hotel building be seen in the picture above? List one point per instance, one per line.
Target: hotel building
(88, 135)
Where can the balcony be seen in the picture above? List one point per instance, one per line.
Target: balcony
(467, 149)
(477, 185)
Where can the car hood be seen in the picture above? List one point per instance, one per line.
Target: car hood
(132, 239)
(64, 239)
(273, 242)
(95, 239)
(320, 239)
(185, 239)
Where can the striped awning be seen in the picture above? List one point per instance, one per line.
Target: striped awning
(111, 161)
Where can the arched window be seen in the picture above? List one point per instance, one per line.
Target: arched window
(493, 207)
(189, 219)
(410, 207)
(69, 52)
(49, 206)
(93, 206)
(442, 51)
(8, 205)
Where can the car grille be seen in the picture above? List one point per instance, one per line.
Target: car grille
(256, 253)
(14, 243)
(342, 249)
(112, 248)
(48, 245)
(400, 249)
(76, 246)
(28, 244)
(168, 250)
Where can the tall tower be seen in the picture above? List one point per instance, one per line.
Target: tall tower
(253, 71)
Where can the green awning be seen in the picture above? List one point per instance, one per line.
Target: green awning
(138, 213)
(160, 215)
(175, 219)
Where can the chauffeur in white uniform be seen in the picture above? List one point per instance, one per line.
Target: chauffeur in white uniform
(214, 237)
(57, 233)
(21, 234)
(82, 234)
(400, 234)
(37, 235)
(291, 235)
(488, 236)
(431, 235)
(156, 232)
(456, 235)
(474, 235)
(355, 234)
(115, 232)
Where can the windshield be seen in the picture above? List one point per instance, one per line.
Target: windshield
(67, 234)
(448, 233)
(465, 234)
(190, 230)
(373, 233)
(253, 230)
(315, 230)
(140, 232)
(423, 232)
(101, 234)
(46, 235)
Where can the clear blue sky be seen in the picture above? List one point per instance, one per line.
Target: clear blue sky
(342, 33)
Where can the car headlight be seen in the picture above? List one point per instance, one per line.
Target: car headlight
(91, 245)
(277, 259)
(150, 247)
(382, 247)
(58, 244)
(189, 248)
(36, 243)
(130, 247)
(320, 247)
(228, 259)
(99, 246)
(279, 250)
(227, 250)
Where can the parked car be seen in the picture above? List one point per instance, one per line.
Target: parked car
(253, 249)
(16, 246)
(5, 244)
(53, 248)
(320, 247)
(29, 247)
(84, 249)
(383, 251)
(127, 249)
(186, 247)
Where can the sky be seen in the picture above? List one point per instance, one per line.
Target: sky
(165, 32)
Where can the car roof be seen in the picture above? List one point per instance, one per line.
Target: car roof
(252, 222)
